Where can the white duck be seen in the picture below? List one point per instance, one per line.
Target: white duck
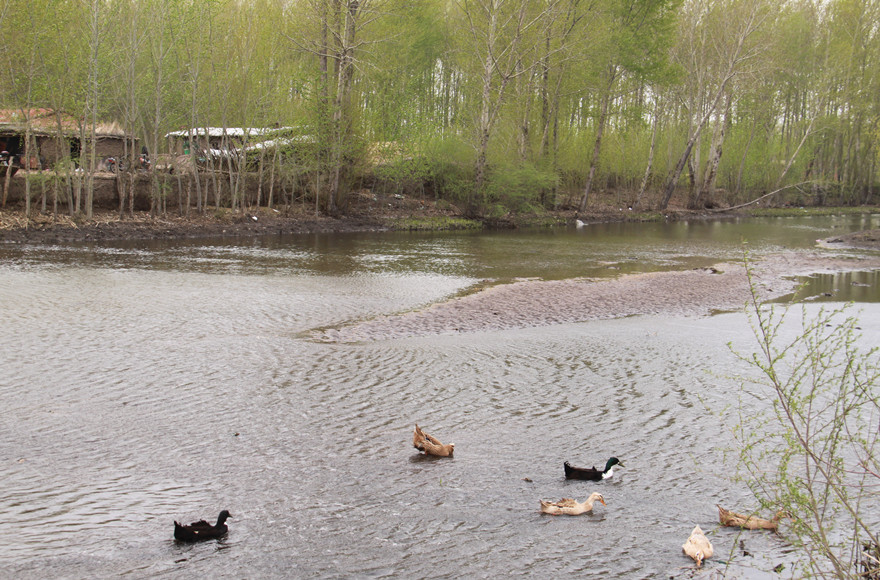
(698, 546)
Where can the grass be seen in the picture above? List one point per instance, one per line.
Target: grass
(435, 223)
(812, 211)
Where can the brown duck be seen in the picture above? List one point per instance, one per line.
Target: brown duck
(431, 445)
(733, 519)
(571, 507)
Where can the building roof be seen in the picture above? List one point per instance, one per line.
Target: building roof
(45, 121)
(227, 131)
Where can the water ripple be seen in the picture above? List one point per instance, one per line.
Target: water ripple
(136, 397)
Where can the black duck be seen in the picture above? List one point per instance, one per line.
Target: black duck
(202, 530)
(592, 474)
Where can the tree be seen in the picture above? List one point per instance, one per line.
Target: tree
(336, 32)
(637, 33)
(500, 46)
(734, 50)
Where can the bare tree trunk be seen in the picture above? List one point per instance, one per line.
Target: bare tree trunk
(78, 184)
(260, 176)
(155, 190)
(272, 178)
(675, 174)
(650, 164)
(27, 172)
(545, 98)
(524, 125)
(708, 186)
(341, 104)
(600, 129)
(6, 180)
(485, 129)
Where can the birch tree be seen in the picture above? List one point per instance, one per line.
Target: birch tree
(636, 43)
(734, 51)
(335, 32)
(498, 34)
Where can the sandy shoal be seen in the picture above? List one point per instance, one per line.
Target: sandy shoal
(535, 303)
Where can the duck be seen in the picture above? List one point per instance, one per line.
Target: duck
(733, 519)
(592, 473)
(698, 546)
(202, 530)
(431, 445)
(569, 507)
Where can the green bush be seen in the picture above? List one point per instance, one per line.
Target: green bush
(814, 453)
(407, 176)
(519, 188)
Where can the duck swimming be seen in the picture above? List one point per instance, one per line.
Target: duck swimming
(431, 445)
(698, 546)
(570, 507)
(592, 474)
(202, 530)
(733, 519)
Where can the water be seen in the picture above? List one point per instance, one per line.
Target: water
(147, 382)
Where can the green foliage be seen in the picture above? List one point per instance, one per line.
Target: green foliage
(806, 95)
(405, 176)
(643, 31)
(451, 169)
(517, 188)
(816, 453)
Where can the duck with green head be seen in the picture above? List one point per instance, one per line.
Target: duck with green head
(592, 474)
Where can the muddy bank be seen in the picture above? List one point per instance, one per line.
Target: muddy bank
(106, 226)
(529, 304)
(366, 212)
(868, 239)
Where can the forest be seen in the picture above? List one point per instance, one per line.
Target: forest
(492, 105)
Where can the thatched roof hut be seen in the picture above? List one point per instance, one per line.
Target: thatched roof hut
(45, 126)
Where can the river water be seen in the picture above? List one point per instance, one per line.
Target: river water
(152, 381)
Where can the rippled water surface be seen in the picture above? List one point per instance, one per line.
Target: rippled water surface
(143, 383)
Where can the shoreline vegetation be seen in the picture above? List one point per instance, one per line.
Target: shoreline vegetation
(365, 211)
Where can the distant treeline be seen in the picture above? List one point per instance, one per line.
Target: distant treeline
(495, 105)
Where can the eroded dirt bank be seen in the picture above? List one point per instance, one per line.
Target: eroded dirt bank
(528, 304)
(364, 211)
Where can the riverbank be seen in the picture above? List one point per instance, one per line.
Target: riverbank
(365, 211)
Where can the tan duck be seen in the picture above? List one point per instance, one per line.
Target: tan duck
(431, 445)
(698, 546)
(733, 519)
(569, 507)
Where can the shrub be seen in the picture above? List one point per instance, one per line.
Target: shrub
(518, 188)
(814, 454)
